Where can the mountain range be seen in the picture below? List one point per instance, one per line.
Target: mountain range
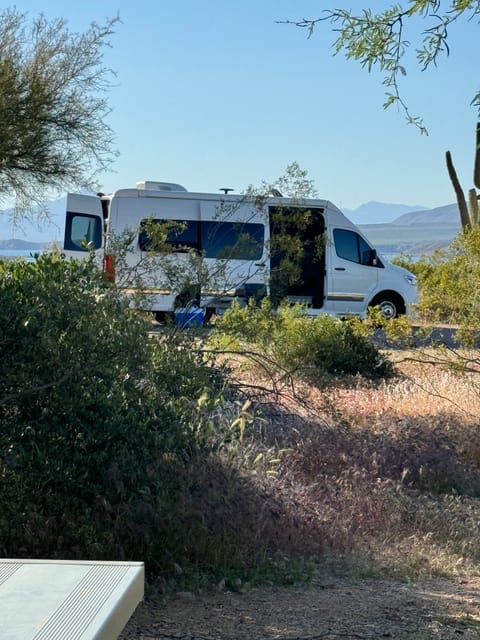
(416, 232)
(380, 212)
(391, 228)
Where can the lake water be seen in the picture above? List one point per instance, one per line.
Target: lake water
(17, 253)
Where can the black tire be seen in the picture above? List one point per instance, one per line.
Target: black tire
(164, 317)
(209, 313)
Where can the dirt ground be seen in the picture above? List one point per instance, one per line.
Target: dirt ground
(327, 610)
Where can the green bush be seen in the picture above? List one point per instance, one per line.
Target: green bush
(312, 347)
(96, 419)
(448, 282)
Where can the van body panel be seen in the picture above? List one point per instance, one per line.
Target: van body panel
(228, 268)
(351, 284)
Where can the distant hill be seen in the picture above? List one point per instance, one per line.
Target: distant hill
(379, 212)
(448, 214)
(415, 239)
(12, 244)
(416, 232)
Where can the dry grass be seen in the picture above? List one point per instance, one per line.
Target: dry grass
(376, 479)
(384, 477)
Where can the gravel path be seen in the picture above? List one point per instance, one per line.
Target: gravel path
(371, 609)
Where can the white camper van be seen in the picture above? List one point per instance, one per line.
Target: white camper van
(239, 250)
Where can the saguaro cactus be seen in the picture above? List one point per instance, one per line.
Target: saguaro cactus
(468, 218)
(476, 168)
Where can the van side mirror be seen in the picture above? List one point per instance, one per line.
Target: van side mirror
(369, 257)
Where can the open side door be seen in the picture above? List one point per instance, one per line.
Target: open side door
(297, 254)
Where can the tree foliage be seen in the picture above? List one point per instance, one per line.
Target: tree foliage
(382, 39)
(293, 183)
(53, 133)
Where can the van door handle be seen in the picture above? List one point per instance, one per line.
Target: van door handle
(259, 264)
(339, 269)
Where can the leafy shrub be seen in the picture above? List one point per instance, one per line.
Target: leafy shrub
(313, 347)
(96, 418)
(448, 281)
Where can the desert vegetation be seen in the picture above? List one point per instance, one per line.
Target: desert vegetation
(267, 449)
(372, 475)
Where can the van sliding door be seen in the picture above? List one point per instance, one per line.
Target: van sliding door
(233, 244)
(297, 255)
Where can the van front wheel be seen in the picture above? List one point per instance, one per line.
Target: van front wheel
(391, 305)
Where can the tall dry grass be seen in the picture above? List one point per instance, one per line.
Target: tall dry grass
(371, 478)
(380, 478)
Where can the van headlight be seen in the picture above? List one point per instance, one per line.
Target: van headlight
(411, 279)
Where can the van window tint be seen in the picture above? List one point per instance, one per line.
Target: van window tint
(227, 240)
(350, 246)
(232, 240)
(82, 232)
(180, 235)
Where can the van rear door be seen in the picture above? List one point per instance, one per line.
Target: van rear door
(83, 225)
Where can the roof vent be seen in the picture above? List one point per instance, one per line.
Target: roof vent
(150, 185)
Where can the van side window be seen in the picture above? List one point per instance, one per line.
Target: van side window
(179, 235)
(82, 232)
(220, 240)
(350, 246)
(232, 240)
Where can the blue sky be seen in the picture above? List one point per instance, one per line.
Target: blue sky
(214, 93)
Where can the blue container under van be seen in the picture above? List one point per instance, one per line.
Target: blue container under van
(189, 317)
